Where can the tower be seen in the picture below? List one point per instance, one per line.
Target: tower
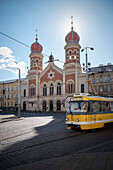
(72, 65)
(72, 47)
(33, 83)
(36, 57)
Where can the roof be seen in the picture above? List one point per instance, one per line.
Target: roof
(106, 68)
(89, 97)
(12, 81)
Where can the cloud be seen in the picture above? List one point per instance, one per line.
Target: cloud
(7, 61)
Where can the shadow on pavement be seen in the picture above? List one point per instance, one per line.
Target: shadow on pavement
(29, 145)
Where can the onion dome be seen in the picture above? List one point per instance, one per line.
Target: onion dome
(72, 36)
(36, 47)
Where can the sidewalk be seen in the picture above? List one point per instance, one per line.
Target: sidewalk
(88, 161)
(8, 117)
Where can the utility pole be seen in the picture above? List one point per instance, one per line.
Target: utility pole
(19, 99)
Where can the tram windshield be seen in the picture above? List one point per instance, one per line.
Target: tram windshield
(78, 107)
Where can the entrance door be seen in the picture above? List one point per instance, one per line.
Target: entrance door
(51, 105)
(24, 106)
(58, 105)
(44, 106)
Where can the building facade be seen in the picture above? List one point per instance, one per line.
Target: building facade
(49, 89)
(9, 95)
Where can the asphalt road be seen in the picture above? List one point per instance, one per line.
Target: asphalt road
(41, 136)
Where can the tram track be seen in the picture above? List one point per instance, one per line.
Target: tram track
(48, 141)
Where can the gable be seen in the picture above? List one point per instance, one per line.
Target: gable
(51, 73)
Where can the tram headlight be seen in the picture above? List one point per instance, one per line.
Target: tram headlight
(77, 120)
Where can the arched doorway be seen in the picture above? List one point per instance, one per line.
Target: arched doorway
(24, 106)
(51, 105)
(44, 106)
(82, 88)
(58, 105)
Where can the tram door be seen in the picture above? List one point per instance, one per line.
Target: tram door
(51, 105)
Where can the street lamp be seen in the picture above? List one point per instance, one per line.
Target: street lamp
(87, 64)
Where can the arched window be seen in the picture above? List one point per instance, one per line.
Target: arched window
(24, 92)
(75, 53)
(69, 52)
(51, 89)
(82, 88)
(58, 105)
(44, 106)
(44, 90)
(37, 62)
(58, 89)
(70, 88)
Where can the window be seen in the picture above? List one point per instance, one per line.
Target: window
(69, 52)
(111, 106)
(8, 88)
(51, 89)
(16, 95)
(101, 79)
(37, 62)
(11, 103)
(101, 89)
(75, 57)
(8, 103)
(58, 89)
(8, 96)
(96, 106)
(75, 53)
(78, 107)
(12, 96)
(93, 81)
(106, 106)
(70, 88)
(109, 89)
(108, 78)
(44, 90)
(82, 88)
(32, 91)
(12, 88)
(24, 92)
(16, 88)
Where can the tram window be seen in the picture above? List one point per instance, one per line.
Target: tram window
(106, 106)
(78, 107)
(111, 106)
(96, 106)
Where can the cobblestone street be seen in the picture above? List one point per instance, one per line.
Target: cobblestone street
(42, 140)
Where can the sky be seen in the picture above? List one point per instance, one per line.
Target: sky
(92, 20)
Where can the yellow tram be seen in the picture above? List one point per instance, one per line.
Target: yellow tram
(89, 112)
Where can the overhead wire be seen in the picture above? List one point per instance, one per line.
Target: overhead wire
(19, 42)
(13, 61)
